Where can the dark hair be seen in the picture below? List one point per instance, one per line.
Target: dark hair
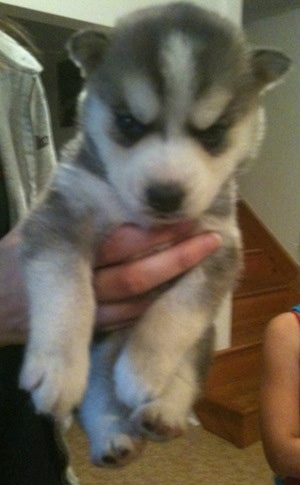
(19, 34)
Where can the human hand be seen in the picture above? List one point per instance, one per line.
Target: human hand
(122, 278)
(134, 261)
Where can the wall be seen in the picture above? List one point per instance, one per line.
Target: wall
(105, 12)
(272, 185)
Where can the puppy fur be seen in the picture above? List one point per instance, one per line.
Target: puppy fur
(168, 115)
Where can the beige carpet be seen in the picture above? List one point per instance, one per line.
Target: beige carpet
(197, 458)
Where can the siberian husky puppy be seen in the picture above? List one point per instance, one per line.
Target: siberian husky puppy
(169, 112)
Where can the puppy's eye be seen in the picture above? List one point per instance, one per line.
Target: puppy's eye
(213, 137)
(131, 128)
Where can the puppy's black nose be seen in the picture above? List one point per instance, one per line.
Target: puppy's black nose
(165, 198)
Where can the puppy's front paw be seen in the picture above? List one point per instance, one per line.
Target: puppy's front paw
(119, 450)
(159, 420)
(138, 380)
(56, 381)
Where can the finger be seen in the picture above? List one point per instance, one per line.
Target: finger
(140, 276)
(130, 241)
(115, 315)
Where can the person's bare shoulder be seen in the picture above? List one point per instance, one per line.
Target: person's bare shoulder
(282, 337)
(283, 324)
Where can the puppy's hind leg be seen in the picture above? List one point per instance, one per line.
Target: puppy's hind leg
(113, 440)
(166, 417)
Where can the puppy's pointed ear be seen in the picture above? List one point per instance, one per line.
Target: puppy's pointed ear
(269, 66)
(86, 48)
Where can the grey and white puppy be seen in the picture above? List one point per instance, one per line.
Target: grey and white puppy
(169, 112)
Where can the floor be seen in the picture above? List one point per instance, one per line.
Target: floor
(197, 458)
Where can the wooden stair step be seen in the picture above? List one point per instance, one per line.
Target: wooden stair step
(251, 314)
(259, 264)
(254, 307)
(261, 250)
(240, 429)
(240, 397)
(229, 407)
(262, 273)
(260, 288)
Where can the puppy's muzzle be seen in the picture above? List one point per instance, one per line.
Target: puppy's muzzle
(165, 199)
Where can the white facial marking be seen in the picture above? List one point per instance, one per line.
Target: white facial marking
(177, 59)
(141, 98)
(210, 107)
(97, 118)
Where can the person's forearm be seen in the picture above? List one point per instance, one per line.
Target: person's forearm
(284, 459)
(13, 306)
